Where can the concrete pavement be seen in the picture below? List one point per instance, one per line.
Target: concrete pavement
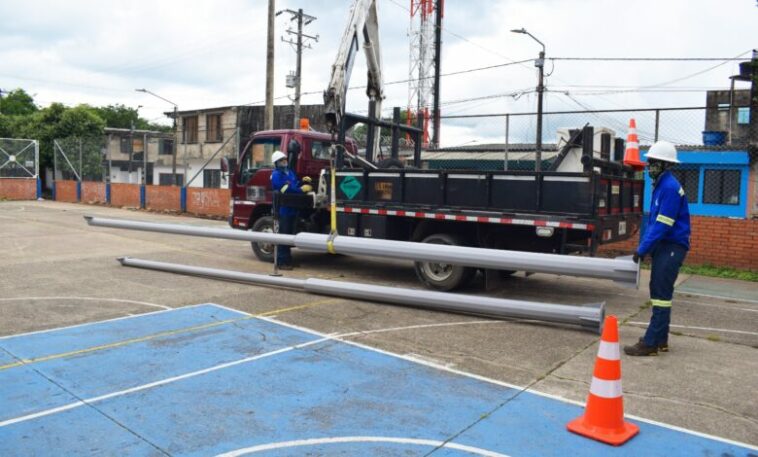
(57, 271)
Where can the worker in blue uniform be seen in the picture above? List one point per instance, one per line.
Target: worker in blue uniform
(285, 180)
(667, 240)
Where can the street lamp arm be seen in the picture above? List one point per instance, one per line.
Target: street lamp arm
(156, 95)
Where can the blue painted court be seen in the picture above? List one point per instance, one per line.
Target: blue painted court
(206, 380)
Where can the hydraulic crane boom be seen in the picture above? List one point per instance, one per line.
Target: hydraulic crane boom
(362, 30)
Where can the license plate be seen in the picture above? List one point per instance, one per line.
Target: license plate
(622, 228)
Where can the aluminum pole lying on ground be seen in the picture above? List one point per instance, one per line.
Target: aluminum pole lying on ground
(621, 270)
(589, 317)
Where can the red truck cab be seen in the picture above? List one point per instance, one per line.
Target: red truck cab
(250, 184)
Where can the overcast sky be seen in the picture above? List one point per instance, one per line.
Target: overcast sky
(202, 54)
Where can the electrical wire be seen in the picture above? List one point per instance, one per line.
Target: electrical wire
(647, 59)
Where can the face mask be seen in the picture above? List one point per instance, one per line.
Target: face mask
(655, 169)
(281, 165)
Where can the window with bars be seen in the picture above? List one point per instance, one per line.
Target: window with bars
(690, 181)
(165, 179)
(212, 178)
(166, 147)
(213, 132)
(189, 129)
(721, 187)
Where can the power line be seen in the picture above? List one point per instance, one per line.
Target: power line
(648, 59)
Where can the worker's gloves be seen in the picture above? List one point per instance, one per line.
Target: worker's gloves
(307, 180)
(306, 188)
(637, 257)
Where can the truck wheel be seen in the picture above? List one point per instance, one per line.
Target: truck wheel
(263, 251)
(443, 276)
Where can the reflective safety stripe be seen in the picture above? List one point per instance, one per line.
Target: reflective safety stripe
(661, 303)
(609, 351)
(604, 388)
(665, 220)
(681, 192)
(284, 189)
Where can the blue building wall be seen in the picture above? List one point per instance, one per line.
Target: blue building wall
(702, 160)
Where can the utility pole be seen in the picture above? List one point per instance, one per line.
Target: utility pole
(302, 20)
(268, 119)
(437, 71)
(539, 63)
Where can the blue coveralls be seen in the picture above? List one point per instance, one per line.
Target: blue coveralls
(667, 239)
(284, 180)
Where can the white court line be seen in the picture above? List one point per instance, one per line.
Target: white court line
(116, 300)
(711, 305)
(746, 300)
(495, 381)
(88, 401)
(415, 327)
(710, 329)
(361, 439)
(36, 332)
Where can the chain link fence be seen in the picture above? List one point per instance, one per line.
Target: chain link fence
(507, 141)
(145, 157)
(80, 159)
(19, 158)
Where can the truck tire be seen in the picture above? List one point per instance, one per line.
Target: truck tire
(442, 276)
(263, 251)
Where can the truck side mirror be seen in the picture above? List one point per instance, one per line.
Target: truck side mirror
(225, 165)
(293, 151)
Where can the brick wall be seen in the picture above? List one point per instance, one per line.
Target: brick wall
(125, 195)
(163, 198)
(65, 191)
(211, 202)
(18, 189)
(93, 192)
(715, 241)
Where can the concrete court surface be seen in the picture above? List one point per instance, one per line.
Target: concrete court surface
(56, 271)
(208, 380)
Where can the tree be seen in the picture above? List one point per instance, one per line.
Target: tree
(17, 103)
(122, 117)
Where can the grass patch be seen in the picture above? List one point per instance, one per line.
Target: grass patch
(715, 272)
(713, 338)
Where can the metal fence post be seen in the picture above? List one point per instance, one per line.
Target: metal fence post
(36, 169)
(657, 123)
(507, 134)
(183, 198)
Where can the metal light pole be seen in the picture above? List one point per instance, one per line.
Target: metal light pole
(176, 139)
(539, 63)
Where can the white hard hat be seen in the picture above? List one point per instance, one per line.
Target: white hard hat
(664, 151)
(277, 156)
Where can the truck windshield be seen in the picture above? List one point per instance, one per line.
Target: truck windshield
(259, 155)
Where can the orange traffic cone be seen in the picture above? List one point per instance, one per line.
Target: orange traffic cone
(632, 152)
(603, 418)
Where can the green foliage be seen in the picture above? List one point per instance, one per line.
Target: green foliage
(17, 103)
(122, 117)
(715, 272)
(721, 272)
(21, 118)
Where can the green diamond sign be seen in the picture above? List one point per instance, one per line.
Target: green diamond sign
(350, 187)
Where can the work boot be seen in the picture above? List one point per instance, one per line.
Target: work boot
(286, 267)
(662, 347)
(640, 349)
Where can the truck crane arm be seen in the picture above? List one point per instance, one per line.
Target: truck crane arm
(362, 30)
